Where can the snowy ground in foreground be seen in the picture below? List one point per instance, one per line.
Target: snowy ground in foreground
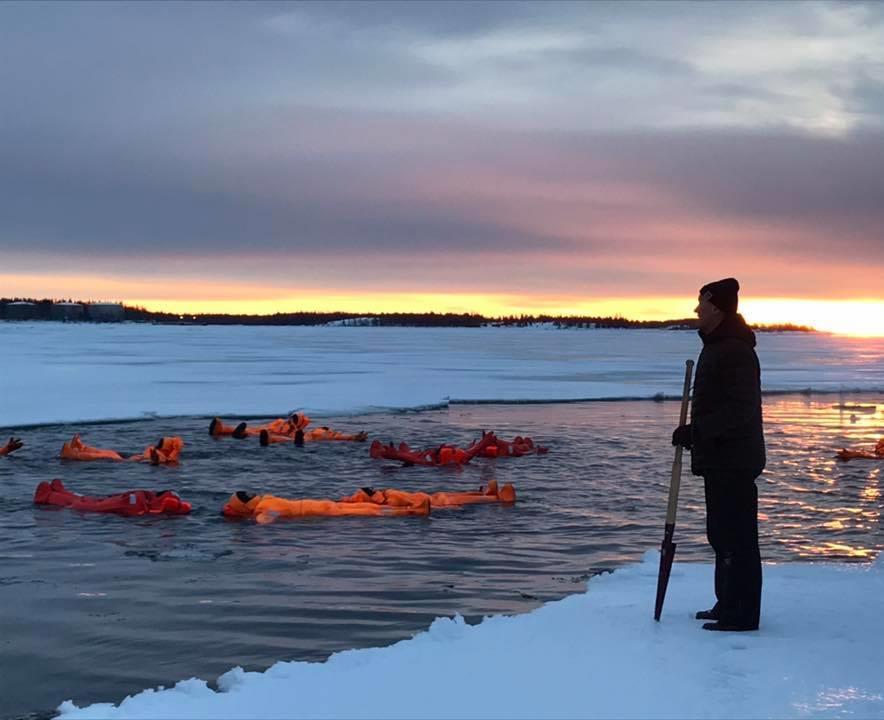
(819, 653)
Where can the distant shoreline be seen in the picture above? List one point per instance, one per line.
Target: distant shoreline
(25, 309)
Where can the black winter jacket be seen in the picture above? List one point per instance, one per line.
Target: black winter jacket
(726, 429)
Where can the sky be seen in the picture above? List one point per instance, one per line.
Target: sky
(489, 157)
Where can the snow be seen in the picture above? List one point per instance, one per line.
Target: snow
(57, 373)
(819, 653)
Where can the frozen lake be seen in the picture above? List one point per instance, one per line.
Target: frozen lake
(56, 372)
(100, 607)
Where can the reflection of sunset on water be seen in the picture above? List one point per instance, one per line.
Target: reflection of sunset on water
(871, 492)
(839, 550)
(833, 508)
(616, 456)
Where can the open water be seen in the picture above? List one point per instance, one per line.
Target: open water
(98, 607)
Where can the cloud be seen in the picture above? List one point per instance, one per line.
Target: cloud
(568, 65)
(592, 146)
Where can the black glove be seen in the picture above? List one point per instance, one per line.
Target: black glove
(13, 445)
(682, 436)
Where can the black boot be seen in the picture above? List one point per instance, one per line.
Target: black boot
(729, 626)
(710, 614)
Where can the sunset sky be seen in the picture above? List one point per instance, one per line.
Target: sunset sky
(490, 157)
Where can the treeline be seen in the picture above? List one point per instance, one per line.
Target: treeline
(312, 318)
(587, 321)
(43, 311)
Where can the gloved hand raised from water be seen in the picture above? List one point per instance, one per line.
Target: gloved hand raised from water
(13, 444)
(682, 436)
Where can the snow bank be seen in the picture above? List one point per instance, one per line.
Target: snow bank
(819, 653)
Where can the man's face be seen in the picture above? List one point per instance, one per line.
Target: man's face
(708, 315)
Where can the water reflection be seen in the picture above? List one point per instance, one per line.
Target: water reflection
(845, 511)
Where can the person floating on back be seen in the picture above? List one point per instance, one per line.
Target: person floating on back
(280, 426)
(726, 440)
(320, 434)
(76, 449)
(876, 454)
(516, 447)
(490, 493)
(440, 455)
(131, 503)
(266, 509)
(166, 452)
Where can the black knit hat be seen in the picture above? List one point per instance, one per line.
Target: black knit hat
(722, 294)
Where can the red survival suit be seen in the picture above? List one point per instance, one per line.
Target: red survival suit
(517, 447)
(132, 503)
(441, 455)
(876, 454)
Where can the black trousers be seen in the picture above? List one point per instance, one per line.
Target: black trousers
(732, 530)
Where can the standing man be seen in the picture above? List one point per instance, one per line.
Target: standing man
(726, 441)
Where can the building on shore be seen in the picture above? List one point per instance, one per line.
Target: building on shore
(105, 312)
(67, 311)
(20, 310)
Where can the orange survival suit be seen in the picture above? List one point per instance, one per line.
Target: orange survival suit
(166, 451)
(399, 498)
(281, 426)
(319, 434)
(268, 508)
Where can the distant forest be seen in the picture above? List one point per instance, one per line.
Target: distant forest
(43, 311)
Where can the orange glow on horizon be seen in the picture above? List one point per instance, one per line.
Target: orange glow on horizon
(863, 317)
(858, 318)
(483, 304)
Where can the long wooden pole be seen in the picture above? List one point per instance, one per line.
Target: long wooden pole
(667, 548)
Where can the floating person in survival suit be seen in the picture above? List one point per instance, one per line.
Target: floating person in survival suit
(398, 498)
(876, 454)
(441, 455)
(320, 434)
(166, 451)
(281, 426)
(131, 503)
(76, 449)
(10, 447)
(517, 447)
(268, 508)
